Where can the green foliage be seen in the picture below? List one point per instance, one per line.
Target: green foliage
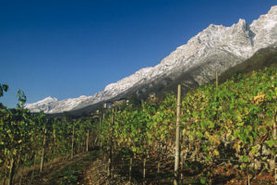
(231, 122)
(3, 88)
(21, 98)
(22, 134)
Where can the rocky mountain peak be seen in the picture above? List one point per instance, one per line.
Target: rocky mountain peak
(264, 29)
(216, 47)
(273, 10)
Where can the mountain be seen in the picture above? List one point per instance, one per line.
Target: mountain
(216, 49)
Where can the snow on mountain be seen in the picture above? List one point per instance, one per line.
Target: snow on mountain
(129, 81)
(265, 29)
(46, 100)
(42, 105)
(215, 48)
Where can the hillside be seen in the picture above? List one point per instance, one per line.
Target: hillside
(230, 125)
(227, 136)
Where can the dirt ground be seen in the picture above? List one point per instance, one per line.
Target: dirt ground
(90, 169)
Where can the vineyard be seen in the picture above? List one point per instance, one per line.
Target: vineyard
(227, 136)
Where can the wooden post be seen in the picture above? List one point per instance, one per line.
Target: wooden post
(130, 169)
(102, 120)
(121, 164)
(177, 141)
(87, 141)
(11, 172)
(111, 144)
(99, 130)
(144, 169)
(248, 177)
(182, 167)
(54, 141)
(4, 181)
(20, 179)
(109, 167)
(158, 171)
(158, 167)
(72, 142)
(275, 138)
(33, 170)
(111, 147)
(43, 150)
(54, 136)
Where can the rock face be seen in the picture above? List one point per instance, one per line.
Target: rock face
(216, 49)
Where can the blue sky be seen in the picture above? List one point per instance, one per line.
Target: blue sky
(70, 48)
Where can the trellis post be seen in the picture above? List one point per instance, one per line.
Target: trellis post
(177, 140)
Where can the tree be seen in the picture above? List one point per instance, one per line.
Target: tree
(3, 88)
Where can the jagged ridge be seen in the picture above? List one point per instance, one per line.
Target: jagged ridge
(215, 48)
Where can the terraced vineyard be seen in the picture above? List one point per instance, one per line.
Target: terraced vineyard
(228, 136)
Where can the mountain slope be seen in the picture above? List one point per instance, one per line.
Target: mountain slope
(215, 49)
